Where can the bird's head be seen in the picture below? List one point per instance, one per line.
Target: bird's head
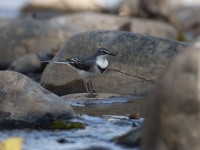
(104, 52)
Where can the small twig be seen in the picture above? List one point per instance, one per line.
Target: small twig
(130, 83)
(150, 81)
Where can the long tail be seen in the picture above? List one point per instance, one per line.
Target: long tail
(56, 62)
(59, 62)
(141, 78)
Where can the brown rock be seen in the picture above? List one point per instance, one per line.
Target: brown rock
(129, 8)
(137, 54)
(66, 5)
(173, 113)
(98, 21)
(183, 14)
(50, 7)
(22, 100)
(156, 9)
(192, 25)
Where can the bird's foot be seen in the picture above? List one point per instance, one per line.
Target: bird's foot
(91, 95)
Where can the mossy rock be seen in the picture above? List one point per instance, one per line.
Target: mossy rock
(67, 126)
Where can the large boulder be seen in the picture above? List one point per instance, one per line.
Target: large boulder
(99, 21)
(173, 113)
(24, 104)
(22, 36)
(137, 54)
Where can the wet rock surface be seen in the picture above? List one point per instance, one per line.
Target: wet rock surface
(173, 109)
(137, 54)
(24, 104)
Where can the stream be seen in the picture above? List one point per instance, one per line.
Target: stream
(99, 131)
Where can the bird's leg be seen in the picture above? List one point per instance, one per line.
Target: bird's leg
(86, 83)
(90, 88)
(89, 91)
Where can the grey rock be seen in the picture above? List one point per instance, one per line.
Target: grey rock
(173, 112)
(26, 63)
(24, 104)
(137, 54)
(32, 64)
(23, 36)
(131, 138)
(4, 21)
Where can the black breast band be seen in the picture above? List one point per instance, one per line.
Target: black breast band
(101, 69)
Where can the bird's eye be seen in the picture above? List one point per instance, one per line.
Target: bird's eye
(103, 51)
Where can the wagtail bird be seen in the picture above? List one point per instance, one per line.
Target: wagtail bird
(89, 66)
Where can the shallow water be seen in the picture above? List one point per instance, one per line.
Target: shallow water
(97, 134)
(120, 105)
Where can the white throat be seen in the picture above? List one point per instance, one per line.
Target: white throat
(102, 61)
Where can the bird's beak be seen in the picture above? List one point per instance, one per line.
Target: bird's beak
(112, 54)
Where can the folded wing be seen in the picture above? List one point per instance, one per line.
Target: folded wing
(78, 64)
